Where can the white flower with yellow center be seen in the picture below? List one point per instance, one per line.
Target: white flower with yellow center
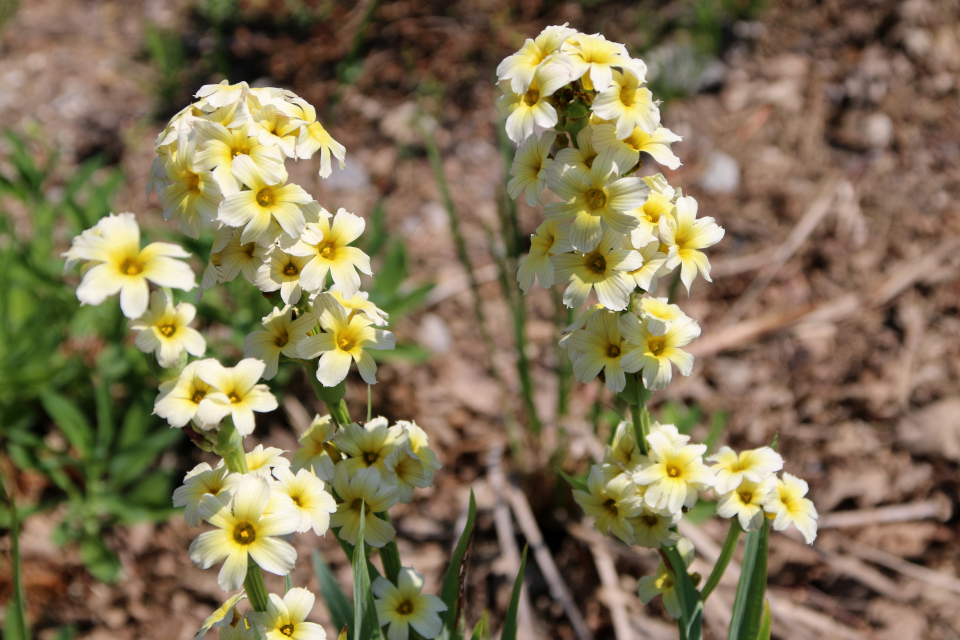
(164, 330)
(675, 475)
(659, 314)
(310, 499)
(658, 205)
(235, 393)
(530, 166)
(601, 270)
(341, 342)
(664, 583)
(180, 398)
(623, 452)
(364, 494)
(244, 532)
(567, 334)
(287, 617)
(325, 246)
(656, 144)
(595, 200)
(262, 461)
(524, 110)
(360, 302)
(755, 465)
(627, 103)
(689, 235)
(192, 195)
(419, 444)
(520, 67)
(282, 332)
(654, 267)
(274, 127)
(199, 481)
(787, 505)
(406, 468)
(240, 257)
(581, 155)
(652, 529)
(222, 145)
(317, 452)
(219, 95)
(594, 58)
(230, 116)
(613, 503)
(745, 502)
(655, 354)
(224, 617)
(368, 446)
(122, 266)
(282, 271)
(403, 606)
(265, 209)
(314, 137)
(601, 347)
(73, 258)
(551, 239)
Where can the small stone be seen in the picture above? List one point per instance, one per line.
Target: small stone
(878, 130)
(722, 174)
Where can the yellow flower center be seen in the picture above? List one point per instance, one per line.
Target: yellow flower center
(650, 520)
(589, 161)
(531, 97)
(596, 263)
(326, 249)
(283, 339)
(192, 182)
(656, 347)
(370, 458)
(611, 506)
(596, 198)
(746, 497)
(287, 630)
(131, 267)
(628, 96)
(297, 499)
(613, 351)
(248, 249)
(290, 269)
(244, 533)
(674, 471)
(234, 398)
(167, 330)
(265, 197)
(346, 344)
(356, 505)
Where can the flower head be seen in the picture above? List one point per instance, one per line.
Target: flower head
(787, 505)
(286, 618)
(317, 452)
(675, 475)
(601, 270)
(594, 58)
(364, 494)
(530, 166)
(613, 503)
(235, 393)
(192, 195)
(180, 398)
(225, 616)
(163, 330)
(325, 248)
(314, 137)
(202, 480)
(551, 239)
(685, 236)
(755, 465)
(656, 144)
(282, 331)
(282, 271)
(266, 208)
(368, 446)
(310, 500)
(520, 67)
(664, 582)
(601, 346)
(652, 528)
(524, 110)
(403, 606)
(655, 354)
(746, 502)
(628, 104)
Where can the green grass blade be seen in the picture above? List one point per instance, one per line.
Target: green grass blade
(366, 625)
(691, 607)
(341, 611)
(576, 483)
(748, 606)
(74, 425)
(477, 631)
(729, 546)
(15, 620)
(767, 623)
(510, 622)
(452, 590)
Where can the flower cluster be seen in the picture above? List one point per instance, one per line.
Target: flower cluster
(578, 107)
(220, 167)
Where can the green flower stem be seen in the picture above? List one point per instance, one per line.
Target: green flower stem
(255, 587)
(641, 418)
(726, 554)
(331, 396)
(390, 554)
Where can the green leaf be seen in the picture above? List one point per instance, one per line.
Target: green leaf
(341, 611)
(767, 622)
(576, 483)
(105, 426)
(510, 622)
(70, 420)
(748, 606)
(101, 562)
(15, 619)
(691, 607)
(452, 590)
(477, 631)
(366, 625)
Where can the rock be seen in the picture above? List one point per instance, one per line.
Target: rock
(878, 130)
(722, 174)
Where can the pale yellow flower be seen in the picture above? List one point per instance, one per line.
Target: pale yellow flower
(520, 67)
(654, 266)
(613, 504)
(274, 127)
(266, 209)
(581, 155)
(240, 257)
(368, 446)
(659, 315)
(221, 146)
(310, 499)
(658, 205)
(282, 332)
(675, 475)
(787, 505)
(263, 461)
(364, 494)
(755, 465)
(325, 248)
(199, 481)
(192, 195)
(317, 452)
(224, 617)
(655, 354)
(180, 398)
(745, 502)
(122, 266)
(601, 270)
(627, 103)
(656, 144)
(243, 531)
(686, 236)
(652, 529)
(550, 239)
(313, 137)
(164, 330)
(601, 347)
(219, 95)
(524, 110)
(282, 271)
(663, 583)
(530, 166)
(235, 393)
(403, 606)
(594, 58)
(360, 302)
(341, 341)
(286, 618)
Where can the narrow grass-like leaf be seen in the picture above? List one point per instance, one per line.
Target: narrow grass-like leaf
(767, 623)
(576, 483)
(729, 546)
(691, 606)
(366, 625)
(15, 620)
(341, 611)
(477, 631)
(510, 621)
(390, 554)
(748, 606)
(71, 421)
(452, 590)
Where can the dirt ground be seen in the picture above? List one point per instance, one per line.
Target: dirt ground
(826, 141)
